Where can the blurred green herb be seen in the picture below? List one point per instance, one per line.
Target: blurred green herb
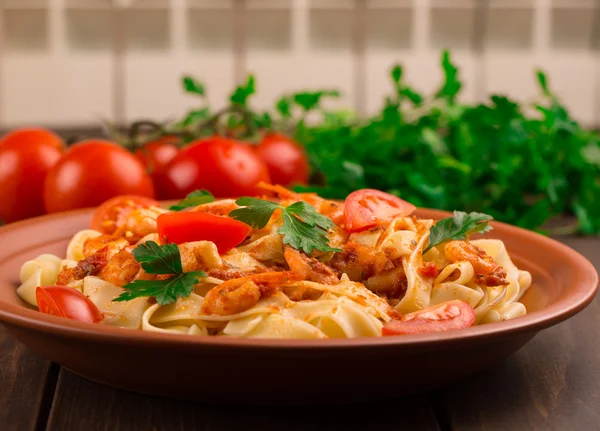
(521, 163)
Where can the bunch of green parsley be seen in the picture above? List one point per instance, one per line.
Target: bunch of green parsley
(522, 164)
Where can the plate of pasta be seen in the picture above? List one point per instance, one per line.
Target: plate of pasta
(281, 293)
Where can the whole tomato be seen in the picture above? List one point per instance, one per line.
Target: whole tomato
(26, 156)
(92, 172)
(286, 159)
(157, 154)
(225, 167)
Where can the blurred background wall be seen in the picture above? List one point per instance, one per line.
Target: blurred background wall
(68, 63)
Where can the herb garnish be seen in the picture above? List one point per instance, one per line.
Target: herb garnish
(157, 259)
(303, 227)
(195, 198)
(460, 226)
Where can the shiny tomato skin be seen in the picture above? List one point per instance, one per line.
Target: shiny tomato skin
(63, 301)
(109, 212)
(26, 156)
(446, 316)
(182, 227)
(224, 167)
(286, 159)
(367, 208)
(157, 154)
(92, 172)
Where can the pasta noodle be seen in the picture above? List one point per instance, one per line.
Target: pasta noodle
(381, 276)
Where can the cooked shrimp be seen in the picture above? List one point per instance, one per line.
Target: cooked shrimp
(121, 269)
(486, 269)
(93, 245)
(360, 262)
(91, 265)
(309, 268)
(240, 294)
(199, 255)
(138, 223)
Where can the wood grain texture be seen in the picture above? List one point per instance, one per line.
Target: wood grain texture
(84, 405)
(553, 383)
(23, 379)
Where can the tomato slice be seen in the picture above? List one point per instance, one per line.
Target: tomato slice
(67, 302)
(181, 227)
(446, 316)
(110, 212)
(367, 208)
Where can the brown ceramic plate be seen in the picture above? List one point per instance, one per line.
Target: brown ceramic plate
(280, 371)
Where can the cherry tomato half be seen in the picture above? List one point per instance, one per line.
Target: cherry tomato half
(67, 302)
(106, 215)
(367, 208)
(183, 227)
(26, 156)
(446, 316)
(224, 167)
(156, 155)
(286, 159)
(92, 172)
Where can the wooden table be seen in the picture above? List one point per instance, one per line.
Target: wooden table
(551, 384)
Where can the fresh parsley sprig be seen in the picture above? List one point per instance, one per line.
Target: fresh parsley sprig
(195, 198)
(303, 227)
(460, 226)
(157, 259)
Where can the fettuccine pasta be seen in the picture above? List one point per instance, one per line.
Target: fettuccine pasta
(394, 276)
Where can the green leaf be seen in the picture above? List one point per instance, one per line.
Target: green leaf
(157, 259)
(543, 81)
(411, 95)
(303, 227)
(165, 291)
(302, 236)
(396, 74)
(458, 227)
(452, 84)
(309, 216)
(195, 116)
(254, 212)
(195, 198)
(284, 107)
(190, 85)
(312, 100)
(241, 94)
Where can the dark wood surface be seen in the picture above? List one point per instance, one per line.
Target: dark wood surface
(553, 383)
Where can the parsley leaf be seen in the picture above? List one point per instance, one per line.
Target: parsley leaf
(191, 85)
(195, 198)
(303, 227)
(255, 212)
(458, 227)
(165, 291)
(157, 259)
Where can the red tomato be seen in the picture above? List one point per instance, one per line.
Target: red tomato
(442, 317)
(367, 208)
(26, 156)
(157, 154)
(92, 172)
(114, 209)
(67, 302)
(286, 159)
(224, 167)
(182, 227)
